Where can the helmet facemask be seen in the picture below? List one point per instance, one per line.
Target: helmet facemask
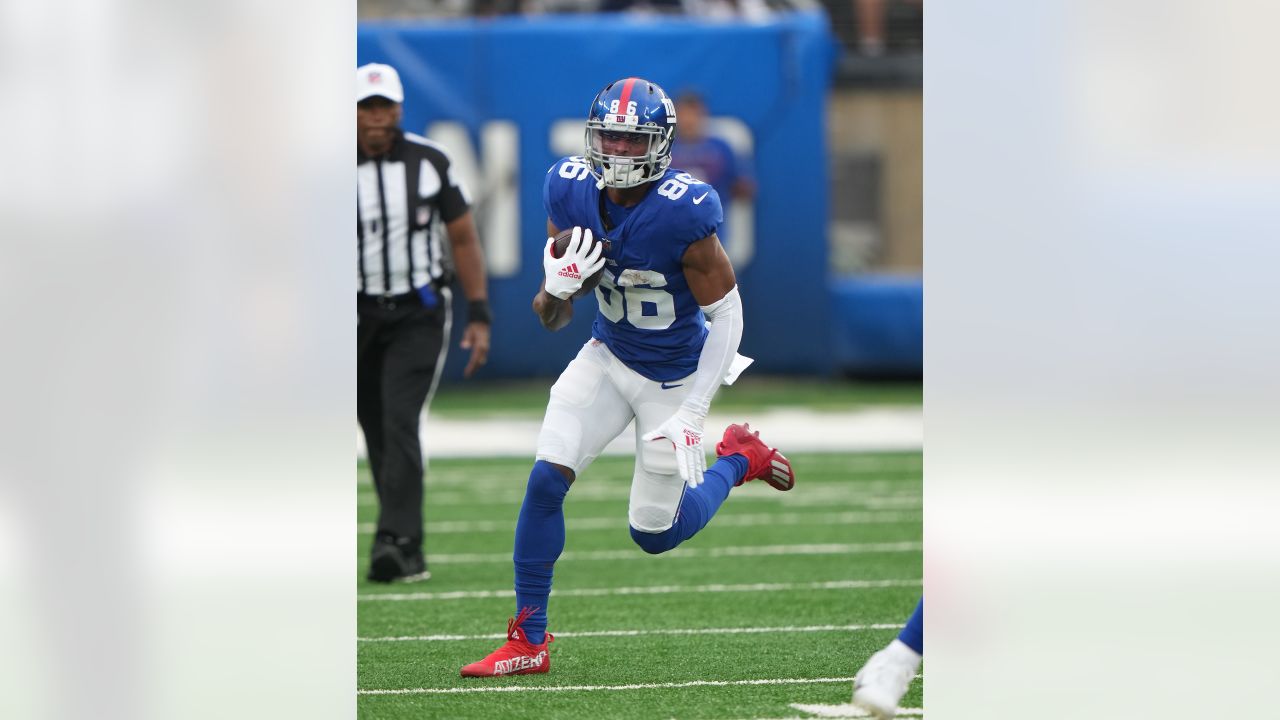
(647, 158)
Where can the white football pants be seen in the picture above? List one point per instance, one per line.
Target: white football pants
(591, 403)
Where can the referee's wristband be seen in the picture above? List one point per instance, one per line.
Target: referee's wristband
(478, 311)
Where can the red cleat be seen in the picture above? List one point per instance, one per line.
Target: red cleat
(516, 656)
(763, 462)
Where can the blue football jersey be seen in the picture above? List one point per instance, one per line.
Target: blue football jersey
(647, 315)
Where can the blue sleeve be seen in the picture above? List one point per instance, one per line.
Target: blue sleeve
(704, 217)
(690, 222)
(555, 196)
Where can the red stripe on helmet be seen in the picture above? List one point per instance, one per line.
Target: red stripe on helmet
(626, 95)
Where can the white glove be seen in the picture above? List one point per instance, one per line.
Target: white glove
(580, 260)
(684, 430)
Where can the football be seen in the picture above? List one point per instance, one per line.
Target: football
(562, 244)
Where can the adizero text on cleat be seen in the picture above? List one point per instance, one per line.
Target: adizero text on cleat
(517, 656)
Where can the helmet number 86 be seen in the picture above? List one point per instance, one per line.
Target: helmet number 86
(613, 107)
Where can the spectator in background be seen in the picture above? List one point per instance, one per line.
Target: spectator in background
(497, 8)
(709, 158)
(872, 22)
(406, 198)
(642, 7)
(725, 10)
(750, 10)
(871, 29)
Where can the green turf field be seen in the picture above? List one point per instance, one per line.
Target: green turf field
(836, 564)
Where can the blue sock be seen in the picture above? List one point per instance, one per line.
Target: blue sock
(697, 507)
(913, 634)
(539, 542)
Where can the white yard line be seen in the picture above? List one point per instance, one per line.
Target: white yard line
(610, 688)
(856, 467)
(848, 710)
(790, 429)
(609, 488)
(853, 713)
(828, 495)
(645, 590)
(639, 633)
(859, 483)
(691, 553)
(614, 522)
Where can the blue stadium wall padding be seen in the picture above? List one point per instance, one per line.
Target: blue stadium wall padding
(774, 77)
(878, 325)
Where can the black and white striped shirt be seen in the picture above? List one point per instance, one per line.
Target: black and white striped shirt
(403, 200)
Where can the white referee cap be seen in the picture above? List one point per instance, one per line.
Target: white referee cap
(378, 79)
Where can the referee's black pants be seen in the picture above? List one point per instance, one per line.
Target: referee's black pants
(401, 346)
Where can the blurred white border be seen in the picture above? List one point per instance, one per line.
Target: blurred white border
(177, 498)
(1100, 358)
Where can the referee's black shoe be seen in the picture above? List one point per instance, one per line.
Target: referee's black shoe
(396, 559)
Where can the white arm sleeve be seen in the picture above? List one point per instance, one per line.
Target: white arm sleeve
(718, 352)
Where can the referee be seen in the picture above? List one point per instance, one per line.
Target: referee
(406, 196)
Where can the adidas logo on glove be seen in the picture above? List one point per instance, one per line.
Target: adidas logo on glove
(570, 272)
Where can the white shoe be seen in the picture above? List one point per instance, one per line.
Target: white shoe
(880, 684)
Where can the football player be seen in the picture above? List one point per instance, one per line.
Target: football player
(881, 683)
(664, 339)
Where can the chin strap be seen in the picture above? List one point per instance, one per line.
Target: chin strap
(612, 173)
